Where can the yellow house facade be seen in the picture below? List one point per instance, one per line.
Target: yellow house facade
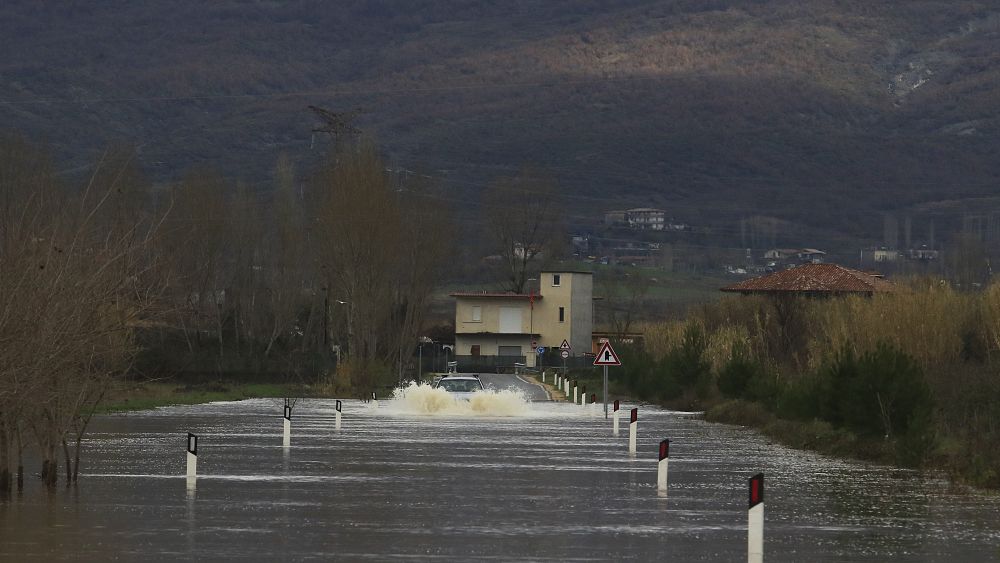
(506, 327)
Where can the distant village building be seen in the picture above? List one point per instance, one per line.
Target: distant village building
(646, 218)
(879, 257)
(814, 280)
(779, 256)
(923, 253)
(781, 253)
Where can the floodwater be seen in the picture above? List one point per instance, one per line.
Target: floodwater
(420, 479)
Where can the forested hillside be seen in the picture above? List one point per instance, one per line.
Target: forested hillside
(823, 113)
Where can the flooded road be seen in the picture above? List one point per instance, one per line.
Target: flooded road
(527, 482)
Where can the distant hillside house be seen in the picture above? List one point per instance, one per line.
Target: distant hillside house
(814, 280)
(801, 255)
(498, 329)
(646, 218)
(871, 256)
(781, 253)
(811, 255)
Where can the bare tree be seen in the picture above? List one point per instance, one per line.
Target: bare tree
(69, 301)
(380, 251)
(624, 296)
(525, 225)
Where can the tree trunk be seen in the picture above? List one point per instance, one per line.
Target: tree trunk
(69, 467)
(50, 464)
(20, 458)
(5, 478)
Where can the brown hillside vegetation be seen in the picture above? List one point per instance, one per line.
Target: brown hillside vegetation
(778, 106)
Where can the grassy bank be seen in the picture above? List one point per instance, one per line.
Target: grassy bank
(816, 435)
(144, 396)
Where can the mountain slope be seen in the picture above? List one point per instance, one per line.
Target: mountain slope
(825, 113)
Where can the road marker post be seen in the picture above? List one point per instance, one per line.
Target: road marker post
(583, 397)
(633, 426)
(575, 388)
(338, 407)
(615, 418)
(593, 404)
(661, 468)
(374, 401)
(287, 439)
(192, 456)
(755, 516)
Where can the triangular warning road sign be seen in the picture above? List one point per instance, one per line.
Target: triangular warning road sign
(565, 345)
(606, 356)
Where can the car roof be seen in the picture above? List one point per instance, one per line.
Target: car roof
(461, 377)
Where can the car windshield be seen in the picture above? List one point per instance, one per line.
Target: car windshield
(460, 385)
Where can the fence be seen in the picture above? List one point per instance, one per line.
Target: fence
(495, 364)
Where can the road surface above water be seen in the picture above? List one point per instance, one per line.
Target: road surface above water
(546, 482)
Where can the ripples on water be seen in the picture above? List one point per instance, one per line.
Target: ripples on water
(428, 400)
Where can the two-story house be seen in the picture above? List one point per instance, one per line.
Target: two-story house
(501, 329)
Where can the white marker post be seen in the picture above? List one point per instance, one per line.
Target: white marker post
(287, 441)
(192, 448)
(661, 469)
(583, 397)
(593, 403)
(337, 425)
(575, 388)
(543, 376)
(566, 385)
(374, 401)
(615, 418)
(755, 535)
(633, 426)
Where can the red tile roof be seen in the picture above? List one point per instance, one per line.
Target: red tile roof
(814, 278)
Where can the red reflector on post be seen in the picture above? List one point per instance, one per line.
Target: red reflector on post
(756, 490)
(664, 449)
(616, 404)
(635, 415)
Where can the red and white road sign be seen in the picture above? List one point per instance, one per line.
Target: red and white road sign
(606, 356)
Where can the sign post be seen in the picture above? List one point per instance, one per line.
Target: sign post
(564, 350)
(606, 356)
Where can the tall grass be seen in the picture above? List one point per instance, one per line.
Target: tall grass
(913, 373)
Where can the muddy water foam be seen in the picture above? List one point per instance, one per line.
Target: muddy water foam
(427, 400)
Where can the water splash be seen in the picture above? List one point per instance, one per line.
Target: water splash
(426, 400)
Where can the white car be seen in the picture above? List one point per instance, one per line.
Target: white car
(461, 386)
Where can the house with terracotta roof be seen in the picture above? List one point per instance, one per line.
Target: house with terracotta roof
(814, 280)
(501, 329)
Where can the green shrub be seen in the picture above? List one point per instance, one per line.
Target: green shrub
(686, 362)
(881, 393)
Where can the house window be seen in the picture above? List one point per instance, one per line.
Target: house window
(477, 314)
(562, 314)
(556, 278)
(475, 350)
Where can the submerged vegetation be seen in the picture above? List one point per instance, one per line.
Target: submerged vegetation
(909, 377)
(107, 283)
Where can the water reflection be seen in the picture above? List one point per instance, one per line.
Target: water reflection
(547, 483)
